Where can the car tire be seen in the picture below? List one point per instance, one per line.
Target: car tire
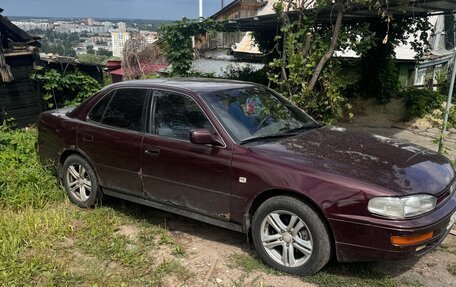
(290, 236)
(80, 182)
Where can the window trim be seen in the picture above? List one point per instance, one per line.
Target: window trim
(143, 116)
(152, 132)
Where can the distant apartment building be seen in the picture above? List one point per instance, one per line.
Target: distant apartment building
(151, 37)
(100, 39)
(118, 39)
(121, 26)
(29, 25)
(90, 21)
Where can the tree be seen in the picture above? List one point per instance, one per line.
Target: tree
(303, 67)
(176, 41)
(104, 52)
(138, 53)
(92, 59)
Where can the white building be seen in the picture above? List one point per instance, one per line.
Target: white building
(121, 26)
(118, 39)
(28, 25)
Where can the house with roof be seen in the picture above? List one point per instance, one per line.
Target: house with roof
(20, 97)
(245, 16)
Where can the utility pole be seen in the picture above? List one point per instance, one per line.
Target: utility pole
(200, 8)
(450, 94)
(222, 4)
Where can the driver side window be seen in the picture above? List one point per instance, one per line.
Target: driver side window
(177, 115)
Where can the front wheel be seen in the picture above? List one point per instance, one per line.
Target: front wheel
(290, 236)
(80, 182)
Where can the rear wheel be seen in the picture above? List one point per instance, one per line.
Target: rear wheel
(80, 182)
(290, 236)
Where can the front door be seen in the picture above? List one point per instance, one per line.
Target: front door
(178, 172)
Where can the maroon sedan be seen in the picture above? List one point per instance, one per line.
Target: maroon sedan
(240, 156)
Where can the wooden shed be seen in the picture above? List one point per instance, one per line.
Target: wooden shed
(20, 97)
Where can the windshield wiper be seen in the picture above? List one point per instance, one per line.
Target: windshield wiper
(259, 138)
(309, 127)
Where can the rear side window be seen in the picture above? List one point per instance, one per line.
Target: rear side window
(123, 108)
(126, 108)
(97, 112)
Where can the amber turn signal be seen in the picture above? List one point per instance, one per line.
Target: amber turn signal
(411, 240)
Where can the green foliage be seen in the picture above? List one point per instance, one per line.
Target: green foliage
(23, 180)
(99, 59)
(80, 85)
(420, 102)
(452, 269)
(249, 264)
(301, 45)
(60, 43)
(246, 73)
(27, 243)
(176, 41)
(353, 274)
(379, 75)
(104, 52)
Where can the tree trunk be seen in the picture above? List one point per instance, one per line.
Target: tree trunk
(330, 52)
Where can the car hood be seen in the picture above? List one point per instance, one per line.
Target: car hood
(400, 167)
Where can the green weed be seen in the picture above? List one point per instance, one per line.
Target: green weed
(452, 269)
(248, 263)
(23, 180)
(355, 274)
(27, 238)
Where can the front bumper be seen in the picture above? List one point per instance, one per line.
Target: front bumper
(371, 241)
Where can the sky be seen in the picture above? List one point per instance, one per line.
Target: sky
(138, 9)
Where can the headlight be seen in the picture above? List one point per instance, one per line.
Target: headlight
(402, 207)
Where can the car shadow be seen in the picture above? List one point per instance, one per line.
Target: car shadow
(177, 225)
(368, 270)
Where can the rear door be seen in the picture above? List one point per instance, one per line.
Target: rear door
(178, 172)
(112, 138)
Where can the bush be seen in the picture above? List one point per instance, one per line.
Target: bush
(246, 73)
(420, 102)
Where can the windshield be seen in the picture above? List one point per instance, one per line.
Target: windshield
(256, 113)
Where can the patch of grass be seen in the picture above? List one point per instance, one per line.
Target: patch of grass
(97, 237)
(446, 248)
(24, 181)
(354, 274)
(26, 239)
(164, 270)
(178, 251)
(410, 282)
(166, 237)
(452, 269)
(243, 281)
(249, 263)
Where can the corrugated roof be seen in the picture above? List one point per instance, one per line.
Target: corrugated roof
(415, 8)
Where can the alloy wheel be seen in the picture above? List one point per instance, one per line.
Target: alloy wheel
(79, 183)
(286, 238)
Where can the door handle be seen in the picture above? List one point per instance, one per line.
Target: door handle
(152, 151)
(87, 138)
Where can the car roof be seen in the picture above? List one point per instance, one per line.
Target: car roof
(197, 85)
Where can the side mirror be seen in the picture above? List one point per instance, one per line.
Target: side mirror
(204, 136)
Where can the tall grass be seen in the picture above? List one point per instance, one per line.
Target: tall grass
(24, 182)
